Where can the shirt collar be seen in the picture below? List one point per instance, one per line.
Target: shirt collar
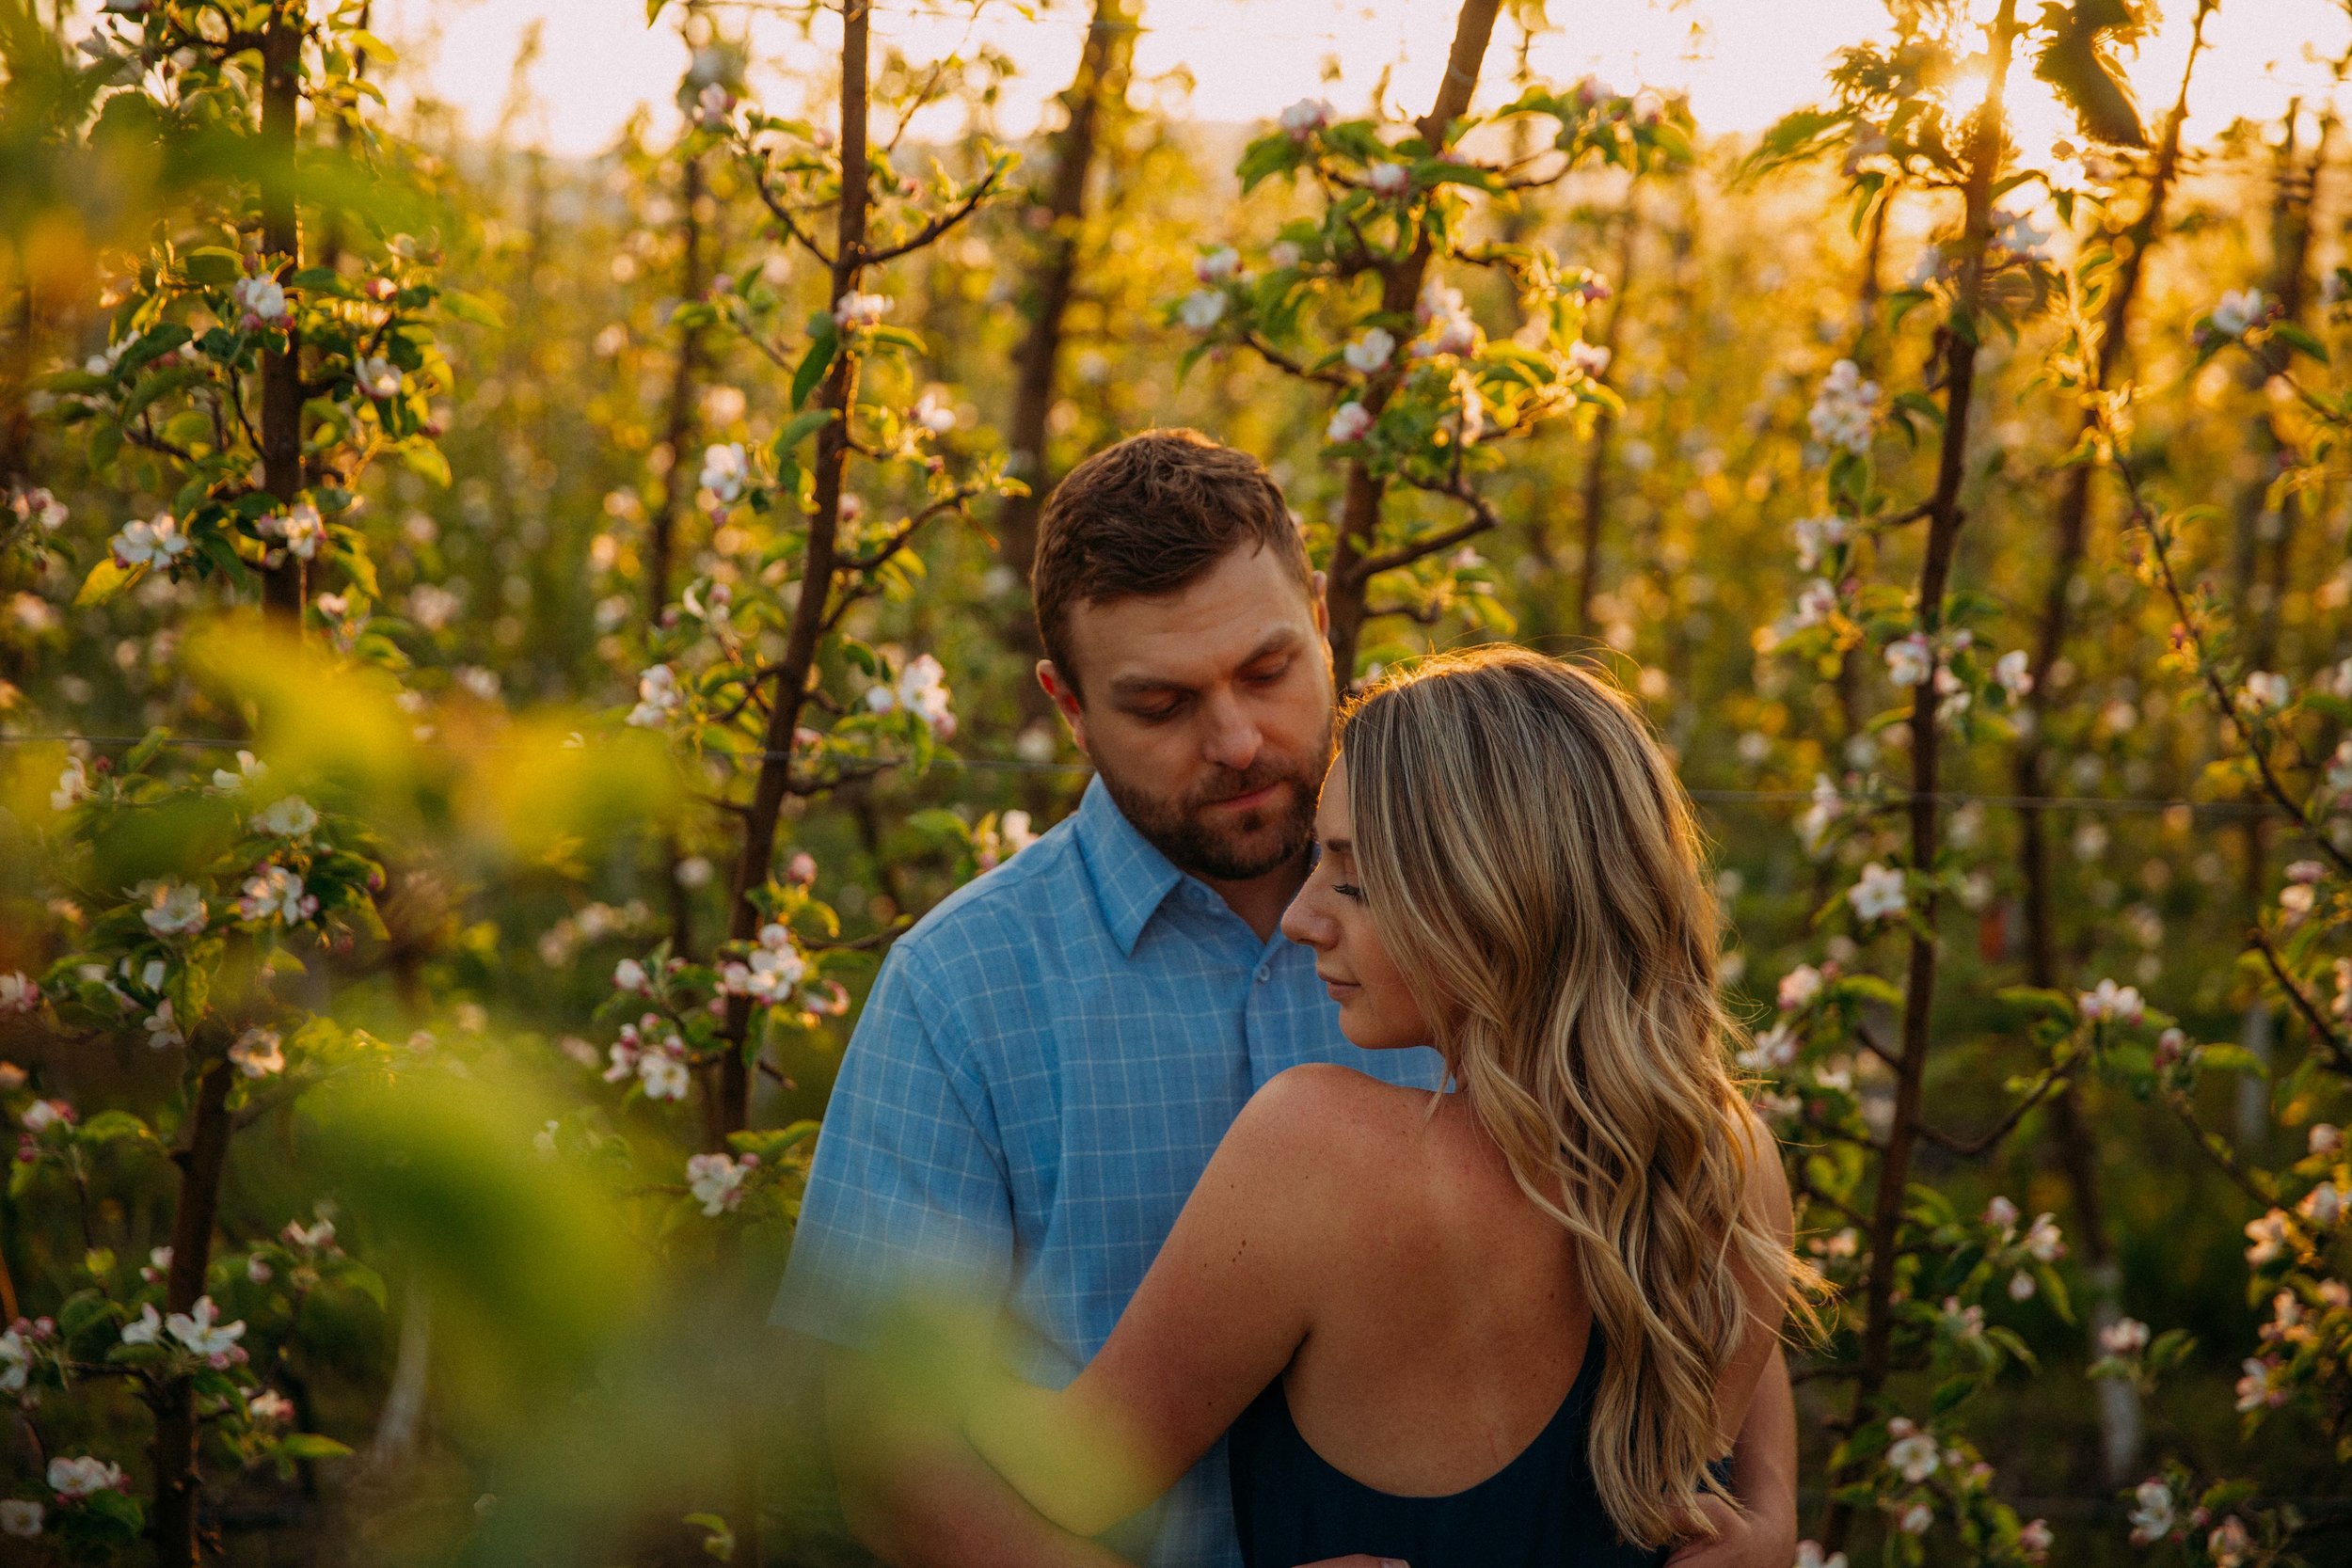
(1131, 879)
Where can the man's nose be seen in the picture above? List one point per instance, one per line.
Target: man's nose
(1233, 736)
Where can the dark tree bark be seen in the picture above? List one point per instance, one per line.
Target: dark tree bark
(1944, 519)
(281, 243)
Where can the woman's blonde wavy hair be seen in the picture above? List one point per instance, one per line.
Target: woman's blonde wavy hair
(1532, 863)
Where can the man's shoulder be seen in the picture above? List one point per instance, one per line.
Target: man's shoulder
(1005, 910)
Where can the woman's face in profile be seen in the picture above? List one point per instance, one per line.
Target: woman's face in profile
(1376, 1007)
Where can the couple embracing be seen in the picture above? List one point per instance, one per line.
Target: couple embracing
(1336, 1104)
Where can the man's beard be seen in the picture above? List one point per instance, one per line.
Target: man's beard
(1261, 839)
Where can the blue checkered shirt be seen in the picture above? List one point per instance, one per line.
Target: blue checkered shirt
(1045, 1065)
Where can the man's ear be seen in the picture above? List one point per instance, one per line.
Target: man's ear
(1319, 589)
(1064, 695)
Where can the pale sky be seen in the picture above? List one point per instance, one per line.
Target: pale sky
(1743, 62)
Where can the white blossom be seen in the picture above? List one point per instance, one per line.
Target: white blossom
(147, 1329)
(163, 1029)
(201, 1331)
(1370, 351)
(2015, 234)
(268, 1407)
(1799, 987)
(1591, 359)
(853, 311)
(657, 696)
(1809, 1556)
(258, 1054)
(2152, 1514)
(159, 542)
(378, 378)
(1915, 1457)
(2239, 309)
(933, 413)
(261, 300)
(1827, 807)
(2326, 1139)
(1817, 601)
(2001, 1214)
(1925, 267)
(1879, 893)
(1217, 264)
(1916, 1519)
(1303, 118)
(1388, 179)
(291, 817)
(1909, 659)
(2267, 1239)
(2010, 671)
(628, 976)
(2265, 691)
(77, 1477)
(1774, 1049)
(250, 768)
(1282, 255)
(2035, 1539)
(2323, 1205)
(21, 1516)
(1843, 410)
(72, 785)
(663, 1075)
(18, 992)
(174, 909)
(2123, 1336)
(2108, 1000)
(273, 892)
(2044, 1242)
(1202, 309)
(725, 470)
(1350, 421)
(922, 691)
(1817, 536)
(717, 1180)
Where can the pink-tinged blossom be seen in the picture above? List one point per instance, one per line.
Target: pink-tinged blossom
(628, 976)
(1371, 351)
(2229, 1546)
(2326, 1138)
(1909, 659)
(2152, 1513)
(260, 301)
(727, 469)
(1217, 264)
(1386, 178)
(74, 1478)
(1916, 1519)
(717, 1180)
(1880, 894)
(1302, 120)
(1590, 359)
(275, 894)
(663, 1075)
(2257, 1389)
(1817, 601)
(21, 1516)
(268, 1407)
(2265, 691)
(2109, 1000)
(19, 993)
(657, 697)
(1963, 1322)
(1817, 537)
(2267, 1238)
(2044, 1241)
(1350, 421)
(1202, 309)
(2035, 1540)
(922, 691)
(159, 542)
(2022, 1286)
(174, 909)
(1915, 1457)
(377, 377)
(1809, 1556)
(318, 1238)
(1799, 987)
(1774, 1049)
(72, 785)
(2239, 309)
(2001, 1214)
(2323, 1205)
(2125, 1337)
(41, 1114)
(2012, 672)
(291, 818)
(158, 1265)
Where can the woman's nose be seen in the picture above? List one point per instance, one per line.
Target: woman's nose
(1303, 925)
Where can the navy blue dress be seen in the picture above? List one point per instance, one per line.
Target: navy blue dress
(1540, 1511)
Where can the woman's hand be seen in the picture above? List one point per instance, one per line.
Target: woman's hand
(1740, 1541)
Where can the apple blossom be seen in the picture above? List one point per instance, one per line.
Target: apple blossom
(717, 1180)
(2239, 309)
(1591, 359)
(163, 1029)
(1799, 987)
(1350, 421)
(72, 785)
(1774, 1049)
(261, 300)
(2265, 691)
(147, 1329)
(725, 470)
(1844, 408)
(628, 976)
(2108, 1000)
(2323, 1205)
(2123, 1336)
(922, 691)
(2269, 1237)
(2022, 1286)
(256, 1054)
(2010, 671)
(15, 1359)
(1817, 536)
(1915, 1457)
(1217, 264)
(1880, 894)
(2151, 1516)
(249, 769)
(268, 1407)
(312, 1238)
(1916, 1519)
(2001, 1214)
(2326, 1139)
(1202, 310)
(1386, 178)
(76, 1479)
(2044, 1242)
(174, 909)
(2035, 1540)
(855, 310)
(201, 1331)
(2015, 234)
(1370, 351)
(21, 1516)
(1282, 255)
(664, 1076)
(2258, 1389)
(378, 378)
(1925, 268)
(1303, 118)
(291, 817)
(933, 413)
(657, 696)
(19, 993)
(159, 542)
(2229, 1545)
(1809, 1556)
(1909, 659)
(275, 894)
(41, 1114)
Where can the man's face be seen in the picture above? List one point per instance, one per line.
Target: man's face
(1208, 712)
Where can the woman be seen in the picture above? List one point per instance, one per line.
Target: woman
(1514, 1323)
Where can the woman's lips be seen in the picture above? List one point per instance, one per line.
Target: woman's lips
(1340, 990)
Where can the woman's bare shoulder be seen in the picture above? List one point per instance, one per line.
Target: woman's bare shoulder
(1327, 1129)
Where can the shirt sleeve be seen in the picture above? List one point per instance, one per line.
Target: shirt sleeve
(908, 1188)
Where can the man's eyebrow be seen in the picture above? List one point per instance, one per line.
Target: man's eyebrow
(1281, 640)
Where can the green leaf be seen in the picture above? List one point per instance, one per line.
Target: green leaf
(212, 265)
(470, 307)
(309, 1445)
(2301, 340)
(425, 461)
(105, 579)
(800, 428)
(813, 366)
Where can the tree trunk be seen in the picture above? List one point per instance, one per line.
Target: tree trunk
(282, 475)
(1360, 512)
(202, 1159)
(1095, 91)
(1945, 518)
(2121, 1421)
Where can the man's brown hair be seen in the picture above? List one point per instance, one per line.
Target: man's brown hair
(1151, 515)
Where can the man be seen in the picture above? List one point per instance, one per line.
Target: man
(1049, 1058)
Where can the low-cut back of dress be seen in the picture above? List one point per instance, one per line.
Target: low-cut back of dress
(1292, 1506)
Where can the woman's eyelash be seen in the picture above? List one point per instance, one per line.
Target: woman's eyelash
(1347, 890)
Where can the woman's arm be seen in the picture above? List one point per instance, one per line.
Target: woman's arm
(1217, 1319)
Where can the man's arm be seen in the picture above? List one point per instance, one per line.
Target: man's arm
(915, 1495)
